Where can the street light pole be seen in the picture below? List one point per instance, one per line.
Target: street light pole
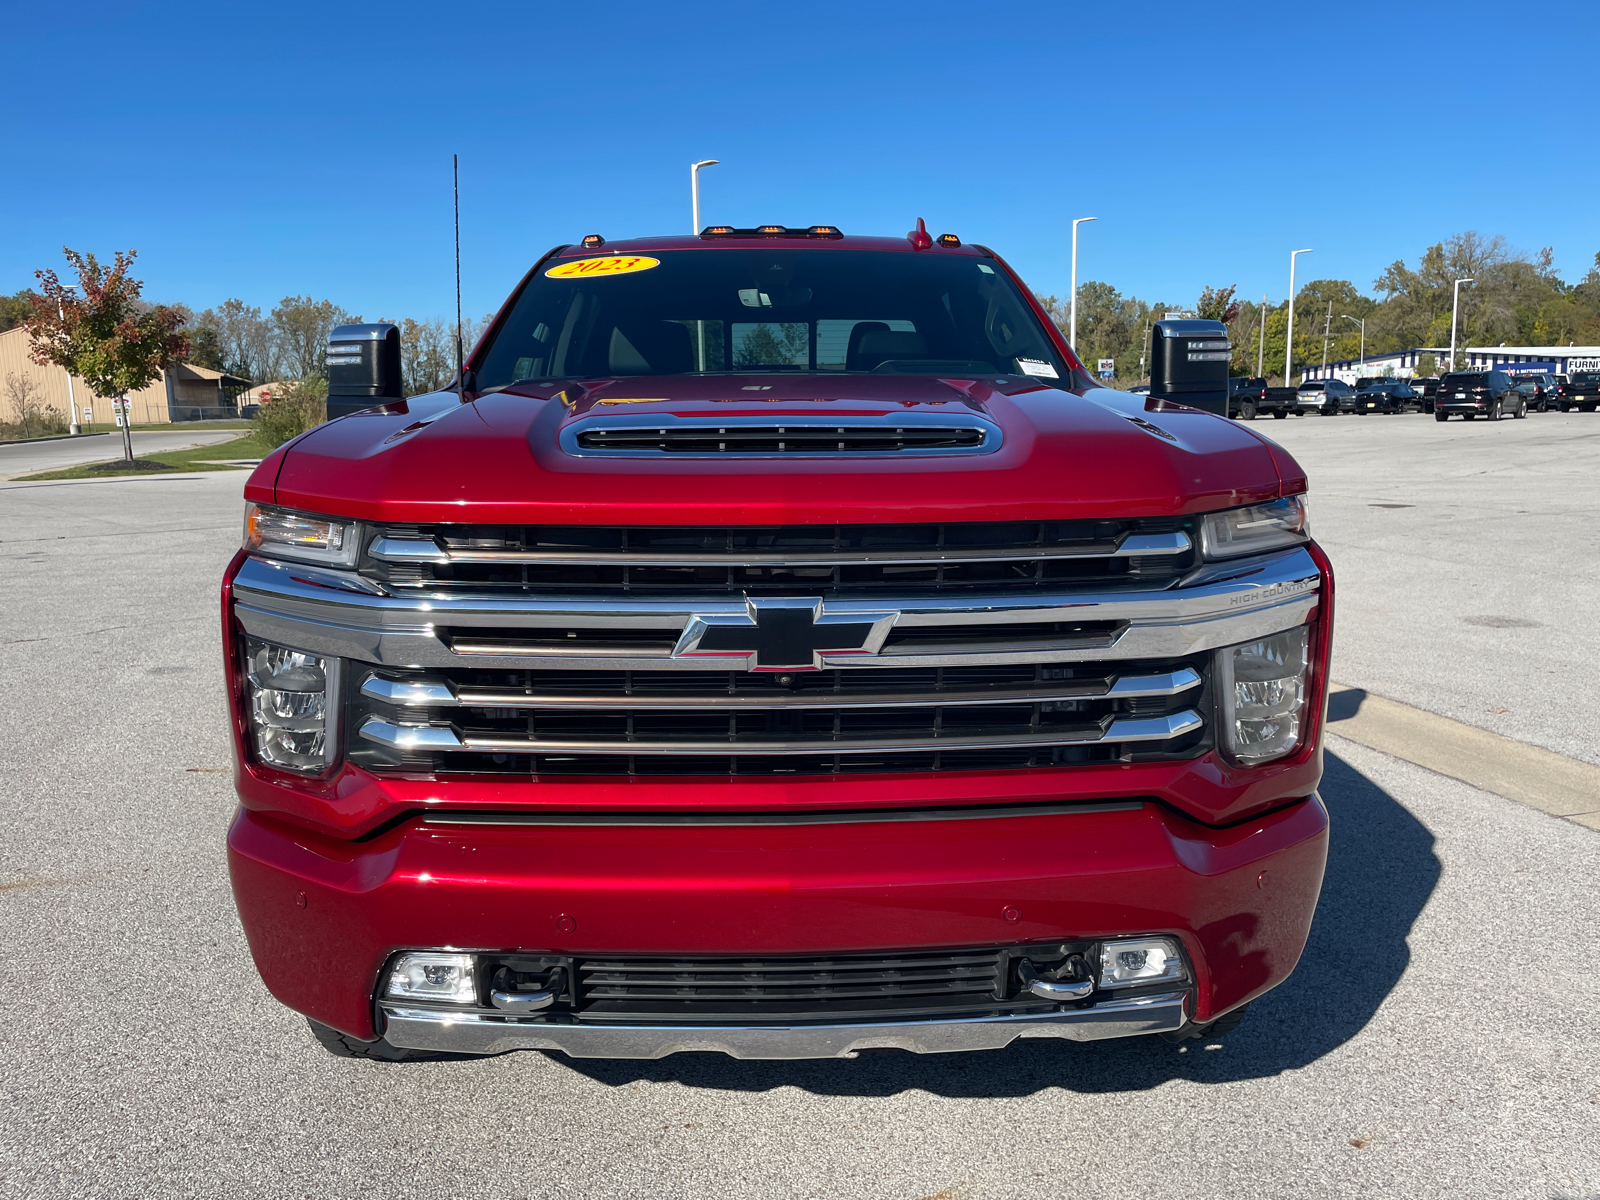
(72, 396)
(694, 188)
(1261, 350)
(1363, 324)
(1455, 309)
(1072, 321)
(1288, 347)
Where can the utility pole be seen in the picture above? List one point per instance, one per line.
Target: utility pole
(1327, 323)
(1455, 309)
(1261, 350)
(72, 396)
(1361, 322)
(1288, 346)
(1072, 321)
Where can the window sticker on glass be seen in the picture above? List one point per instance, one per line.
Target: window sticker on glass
(1032, 366)
(586, 268)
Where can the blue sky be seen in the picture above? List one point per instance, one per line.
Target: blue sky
(262, 150)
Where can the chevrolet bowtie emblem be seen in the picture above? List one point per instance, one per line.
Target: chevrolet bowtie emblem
(784, 633)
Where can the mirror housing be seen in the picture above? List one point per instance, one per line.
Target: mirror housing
(363, 368)
(1189, 363)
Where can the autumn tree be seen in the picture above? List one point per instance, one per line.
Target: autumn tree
(301, 326)
(101, 332)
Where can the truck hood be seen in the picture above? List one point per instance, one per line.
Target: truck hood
(500, 459)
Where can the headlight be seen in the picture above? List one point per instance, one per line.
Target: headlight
(1252, 530)
(1262, 688)
(294, 706)
(280, 533)
(1130, 961)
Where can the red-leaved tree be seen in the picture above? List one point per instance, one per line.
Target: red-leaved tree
(102, 332)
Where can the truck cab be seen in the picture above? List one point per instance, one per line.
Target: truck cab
(774, 642)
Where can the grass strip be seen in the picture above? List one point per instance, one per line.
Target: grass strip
(169, 462)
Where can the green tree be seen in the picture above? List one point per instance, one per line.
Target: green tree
(300, 326)
(101, 332)
(15, 309)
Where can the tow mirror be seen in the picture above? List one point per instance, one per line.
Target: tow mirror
(363, 368)
(1189, 363)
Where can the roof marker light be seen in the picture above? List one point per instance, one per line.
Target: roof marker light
(592, 240)
(773, 229)
(716, 229)
(949, 239)
(919, 237)
(824, 231)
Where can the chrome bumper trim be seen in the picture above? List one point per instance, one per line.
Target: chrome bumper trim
(477, 1033)
(443, 737)
(1224, 604)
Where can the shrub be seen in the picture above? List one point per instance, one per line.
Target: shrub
(295, 408)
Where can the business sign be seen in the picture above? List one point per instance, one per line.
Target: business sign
(1583, 364)
(1526, 368)
(1108, 368)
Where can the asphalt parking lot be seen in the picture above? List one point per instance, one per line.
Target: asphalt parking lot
(1436, 1041)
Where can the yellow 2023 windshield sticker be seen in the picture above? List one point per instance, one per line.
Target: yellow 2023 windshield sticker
(621, 264)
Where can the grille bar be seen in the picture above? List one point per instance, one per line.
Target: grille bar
(427, 550)
(444, 738)
(437, 693)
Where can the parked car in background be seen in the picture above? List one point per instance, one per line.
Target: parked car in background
(1529, 391)
(1327, 397)
(1541, 391)
(1580, 390)
(1385, 396)
(1425, 386)
(1246, 395)
(1478, 393)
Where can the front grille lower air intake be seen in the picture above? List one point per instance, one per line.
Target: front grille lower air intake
(899, 434)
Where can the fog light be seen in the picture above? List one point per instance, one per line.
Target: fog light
(294, 707)
(446, 978)
(1141, 960)
(1263, 693)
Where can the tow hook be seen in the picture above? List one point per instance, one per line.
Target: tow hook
(527, 1002)
(1051, 989)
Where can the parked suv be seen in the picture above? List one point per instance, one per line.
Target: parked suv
(1246, 396)
(1327, 397)
(1385, 396)
(1478, 393)
(777, 643)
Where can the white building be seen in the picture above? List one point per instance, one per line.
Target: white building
(1402, 364)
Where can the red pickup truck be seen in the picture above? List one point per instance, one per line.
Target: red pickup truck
(778, 644)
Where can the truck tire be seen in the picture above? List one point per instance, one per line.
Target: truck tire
(1247, 410)
(1522, 411)
(1221, 1027)
(1441, 416)
(342, 1045)
(1279, 415)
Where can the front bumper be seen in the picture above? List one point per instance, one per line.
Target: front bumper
(324, 915)
(472, 1033)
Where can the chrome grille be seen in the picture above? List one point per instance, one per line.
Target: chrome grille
(553, 722)
(832, 560)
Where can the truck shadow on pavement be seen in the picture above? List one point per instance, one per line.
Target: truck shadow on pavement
(1381, 871)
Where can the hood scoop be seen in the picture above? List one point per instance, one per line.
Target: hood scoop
(667, 435)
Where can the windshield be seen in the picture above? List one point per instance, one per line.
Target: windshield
(1584, 377)
(725, 310)
(1477, 379)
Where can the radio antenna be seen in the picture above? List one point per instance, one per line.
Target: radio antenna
(461, 374)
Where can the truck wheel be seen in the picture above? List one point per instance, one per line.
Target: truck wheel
(342, 1045)
(1279, 415)
(1441, 416)
(1469, 416)
(1247, 410)
(1221, 1027)
(1494, 411)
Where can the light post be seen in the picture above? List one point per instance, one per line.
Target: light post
(1363, 324)
(1455, 309)
(72, 396)
(1261, 349)
(1072, 321)
(694, 188)
(1288, 344)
